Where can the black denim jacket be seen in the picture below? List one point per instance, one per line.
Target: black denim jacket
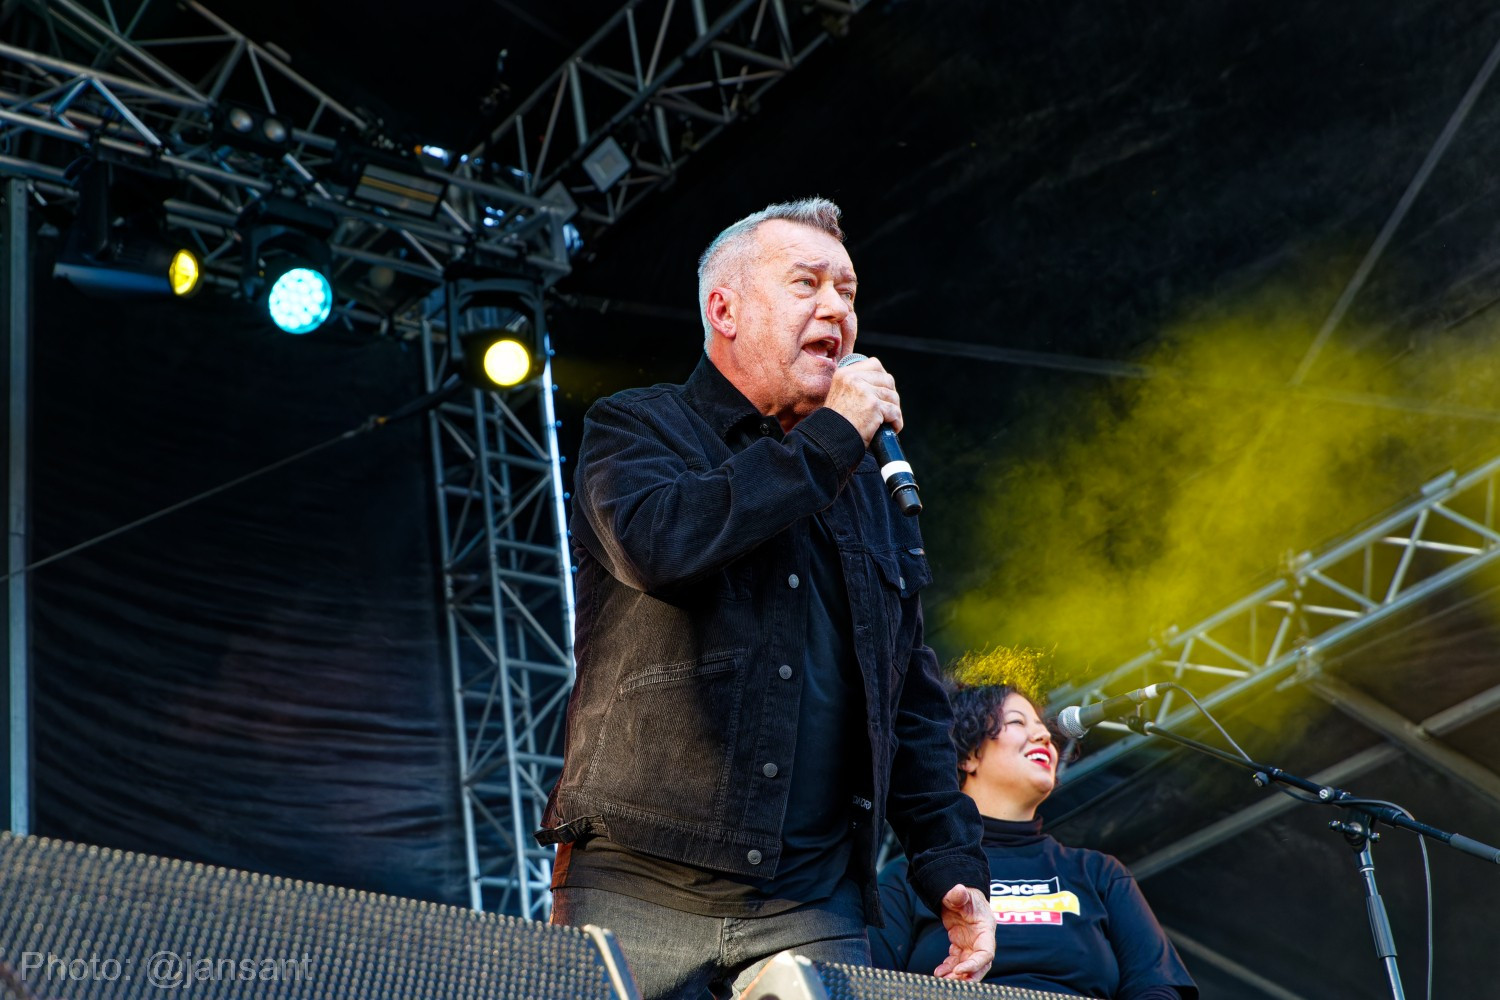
(690, 618)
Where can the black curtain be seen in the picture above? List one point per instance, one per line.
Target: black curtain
(256, 680)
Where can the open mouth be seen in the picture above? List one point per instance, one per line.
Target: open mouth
(1040, 756)
(825, 348)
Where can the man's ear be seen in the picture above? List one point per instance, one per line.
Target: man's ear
(722, 311)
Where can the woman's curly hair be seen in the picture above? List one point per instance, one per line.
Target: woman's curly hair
(978, 685)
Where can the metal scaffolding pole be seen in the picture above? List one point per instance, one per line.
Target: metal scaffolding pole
(17, 337)
(509, 613)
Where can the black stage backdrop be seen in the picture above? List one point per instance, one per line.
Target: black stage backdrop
(254, 681)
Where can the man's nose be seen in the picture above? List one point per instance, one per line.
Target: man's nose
(832, 304)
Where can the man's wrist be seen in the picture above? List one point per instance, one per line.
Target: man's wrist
(831, 431)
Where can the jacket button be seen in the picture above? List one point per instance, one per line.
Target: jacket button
(792, 581)
(785, 672)
(769, 770)
(753, 857)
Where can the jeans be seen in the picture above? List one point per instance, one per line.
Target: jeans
(675, 955)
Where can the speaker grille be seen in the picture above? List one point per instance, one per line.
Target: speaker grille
(79, 921)
(853, 982)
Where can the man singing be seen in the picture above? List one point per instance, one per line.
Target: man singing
(754, 697)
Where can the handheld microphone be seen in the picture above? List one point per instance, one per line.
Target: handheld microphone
(1074, 721)
(894, 468)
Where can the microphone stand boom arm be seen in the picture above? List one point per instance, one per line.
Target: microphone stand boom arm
(1265, 774)
(1359, 831)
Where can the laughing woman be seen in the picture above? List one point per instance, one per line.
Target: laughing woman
(1070, 920)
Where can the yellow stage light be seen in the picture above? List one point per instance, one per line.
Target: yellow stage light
(507, 362)
(183, 273)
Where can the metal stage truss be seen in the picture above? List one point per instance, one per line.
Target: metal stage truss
(1279, 632)
(660, 79)
(509, 618)
(152, 104)
(614, 123)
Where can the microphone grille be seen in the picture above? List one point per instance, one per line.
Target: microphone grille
(850, 358)
(1069, 723)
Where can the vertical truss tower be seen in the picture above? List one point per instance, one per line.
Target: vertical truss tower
(508, 606)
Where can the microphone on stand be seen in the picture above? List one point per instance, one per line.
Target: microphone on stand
(894, 468)
(1075, 721)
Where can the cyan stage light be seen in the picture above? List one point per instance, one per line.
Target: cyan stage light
(287, 262)
(300, 299)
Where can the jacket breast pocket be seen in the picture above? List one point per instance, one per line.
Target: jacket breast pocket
(902, 574)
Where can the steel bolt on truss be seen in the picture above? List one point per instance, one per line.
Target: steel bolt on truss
(1321, 599)
(509, 609)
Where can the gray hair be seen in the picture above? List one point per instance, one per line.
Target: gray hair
(730, 253)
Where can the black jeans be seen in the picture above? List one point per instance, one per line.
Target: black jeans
(675, 955)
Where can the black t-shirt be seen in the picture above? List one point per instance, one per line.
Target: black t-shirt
(1068, 920)
(831, 748)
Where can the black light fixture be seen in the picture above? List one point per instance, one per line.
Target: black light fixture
(287, 262)
(495, 323)
(133, 264)
(606, 164)
(112, 257)
(399, 184)
(250, 128)
(391, 179)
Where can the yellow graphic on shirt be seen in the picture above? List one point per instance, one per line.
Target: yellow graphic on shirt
(1031, 901)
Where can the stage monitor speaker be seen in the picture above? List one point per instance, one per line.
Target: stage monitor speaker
(89, 923)
(790, 976)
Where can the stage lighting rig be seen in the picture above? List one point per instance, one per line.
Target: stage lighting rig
(390, 177)
(496, 331)
(287, 262)
(253, 129)
(106, 256)
(606, 164)
(394, 182)
(132, 264)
